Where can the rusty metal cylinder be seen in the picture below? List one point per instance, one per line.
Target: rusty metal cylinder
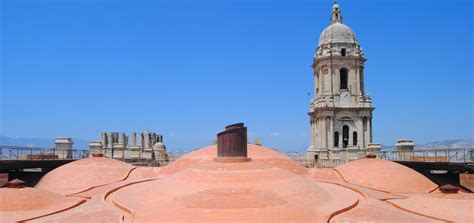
(233, 141)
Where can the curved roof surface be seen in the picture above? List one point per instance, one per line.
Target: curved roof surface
(337, 33)
(257, 153)
(385, 176)
(84, 174)
(249, 191)
(28, 203)
(269, 188)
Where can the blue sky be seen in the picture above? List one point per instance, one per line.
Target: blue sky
(188, 68)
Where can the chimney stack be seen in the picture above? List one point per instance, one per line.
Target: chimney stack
(232, 144)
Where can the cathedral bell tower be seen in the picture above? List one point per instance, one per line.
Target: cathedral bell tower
(340, 113)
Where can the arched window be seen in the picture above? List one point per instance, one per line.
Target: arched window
(336, 139)
(345, 136)
(343, 77)
(354, 138)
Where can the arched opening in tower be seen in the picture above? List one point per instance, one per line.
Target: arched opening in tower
(345, 136)
(343, 77)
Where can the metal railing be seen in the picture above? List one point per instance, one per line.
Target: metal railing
(299, 158)
(454, 155)
(39, 153)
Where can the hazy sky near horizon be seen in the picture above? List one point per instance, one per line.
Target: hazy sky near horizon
(186, 69)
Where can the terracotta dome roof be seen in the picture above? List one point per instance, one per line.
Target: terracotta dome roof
(269, 188)
(25, 203)
(385, 176)
(257, 153)
(143, 172)
(84, 174)
(449, 209)
(220, 192)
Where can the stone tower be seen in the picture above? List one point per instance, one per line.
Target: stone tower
(341, 112)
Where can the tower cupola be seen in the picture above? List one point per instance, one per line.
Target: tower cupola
(336, 14)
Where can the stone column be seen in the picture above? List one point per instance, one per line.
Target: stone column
(153, 139)
(320, 132)
(133, 141)
(331, 133)
(146, 137)
(140, 139)
(369, 131)
(331, 79)
(321, 82)
(110, 140)
(121, 139)
(325, 132)
(360, 134)
(356, 87)
(103, 139)
(315, 133)
(370, 138)
(350, 138)
(126, 140)
(315, 83)
(340, 138)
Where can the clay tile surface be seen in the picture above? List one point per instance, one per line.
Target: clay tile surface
(326, 174)
(25, 203)
(257, 153)
(385, 176)
(144, 172)
(222, 192)
(453, 209)
(269, 188)
(84, 174)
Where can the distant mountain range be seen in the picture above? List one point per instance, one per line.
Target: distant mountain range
(445, 144)
(35, 142)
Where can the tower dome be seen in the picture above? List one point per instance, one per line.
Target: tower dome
(337, 33)
(159, 146)
(337, 38)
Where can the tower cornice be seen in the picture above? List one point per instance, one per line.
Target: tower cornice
(316, 61)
